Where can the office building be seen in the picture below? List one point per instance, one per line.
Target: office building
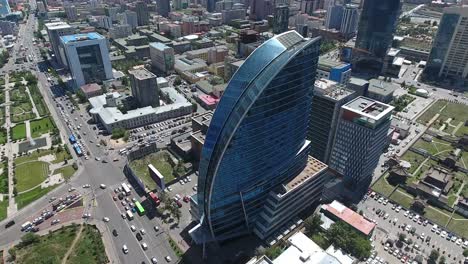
(334, 17)
(142, 13)
(337, 71)
(70, 12)
(309, 6)
(164, 7)
(144, 87)
(328, 98)
(281, 19)
(349, 20)
(381, 90)
(162, 57)
(358, 85)
(448, 57)
(377, 25)
(55, 31)
(4, 8)
(257, 138)
(360, 138)
(260, 9)
(87, 57)
(131, 18)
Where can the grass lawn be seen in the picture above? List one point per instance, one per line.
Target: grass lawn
(457, 112)
(89, 249)
(28, 197)
(159, 161)
(50, 249)
(431, 112)
(413, 158)
(382, 186)
(23, 117)
(3, 209)
(459, 226)
(403, 198)
(59, 156)
(66, 171)
(436, 216)
(434, 147)
(19, 131)
(320, 240)
(3, 136)
(41, 126)
(30, 174)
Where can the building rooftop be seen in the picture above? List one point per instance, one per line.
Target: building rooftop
(81, 37)
(184, 64)
(439, 174)
(381, 87)
(369, 108)
(159, 45)
(358, 81)
(199, 136)
(142, 74)
(90, 88)
(56, 25)
(328, 64)
(331, 89)
(349, 216)
(313, 168)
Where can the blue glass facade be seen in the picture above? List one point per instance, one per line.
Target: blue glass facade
(377, 25)
(256, 138)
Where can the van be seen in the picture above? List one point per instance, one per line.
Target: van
(129, 215)
(26, 225)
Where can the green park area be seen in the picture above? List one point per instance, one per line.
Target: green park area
(4, 178)
(382, 186)
(53, 247)
(60, 153)
(414, 158)
(435, 147)
(402, 197)
(162, 162)
(28, 197)
(18, 131)
(89, 248)
(2, 115)
(446, 111)
(458, 224)
(30, 174)
(3, 208)
(437, 215)
(66, 171)
(3, 135)
(41, 126)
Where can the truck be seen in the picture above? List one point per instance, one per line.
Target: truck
(154, 198)
(129, 215)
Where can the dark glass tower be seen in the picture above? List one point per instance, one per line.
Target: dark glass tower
(256, 139)
(377, 25)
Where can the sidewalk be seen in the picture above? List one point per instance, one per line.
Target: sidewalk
(12, 208)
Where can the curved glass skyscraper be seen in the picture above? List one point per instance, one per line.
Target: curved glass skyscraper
(256, 139)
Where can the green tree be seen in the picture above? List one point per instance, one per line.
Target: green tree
(81, 96)
(465, 253)
(273, 252)
(177, 81)
(442, 260)
(312, 224)
(194, 107)
(118, 133)
(433, 257)
(345, 237)
(401, 237)
(28, 239)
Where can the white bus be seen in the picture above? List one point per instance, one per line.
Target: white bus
(129, 215)
(126, 188)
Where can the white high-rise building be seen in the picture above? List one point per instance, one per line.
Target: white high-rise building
(360, 139)
(448, 56)
(55, 31)
(88, 58)
(349, 20)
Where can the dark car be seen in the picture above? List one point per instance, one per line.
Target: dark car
(35, 229)
(139, 237)
(9, 224)
(114, 232)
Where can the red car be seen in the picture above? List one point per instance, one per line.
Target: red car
(186, 199)
(179, 203)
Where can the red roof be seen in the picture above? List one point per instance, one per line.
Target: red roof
(349, 216)
(208, 99)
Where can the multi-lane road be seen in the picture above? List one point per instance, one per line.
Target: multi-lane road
(98, 202)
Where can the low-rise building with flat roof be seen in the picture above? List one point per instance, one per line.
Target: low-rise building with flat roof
(381, 90)
(90, 90)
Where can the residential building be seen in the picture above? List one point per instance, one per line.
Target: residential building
(448, 57)
(144, 87)
(162, 57)
(349, 20)
(70, 12)
(231, 14)
(164, 7)
(360, 138)
(131, 18)
(142, 13)
(334, 17)
(104, 22)
(55, 31)
(260, 9)
(281, 19)
(87, 58)
(252, 146)
(376, 26)
(4, 8)
(210, 5)
(328, 98)
(120, 31)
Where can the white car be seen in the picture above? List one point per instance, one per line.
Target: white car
(86, 186)
(154, 260)
(103, 186)
(168, 259)
(443, 234)
(142, 231)
(106, 219)
(144, 246)
(133, 228)
(125, 249)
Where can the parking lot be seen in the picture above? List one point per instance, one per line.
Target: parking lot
(421, 236)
